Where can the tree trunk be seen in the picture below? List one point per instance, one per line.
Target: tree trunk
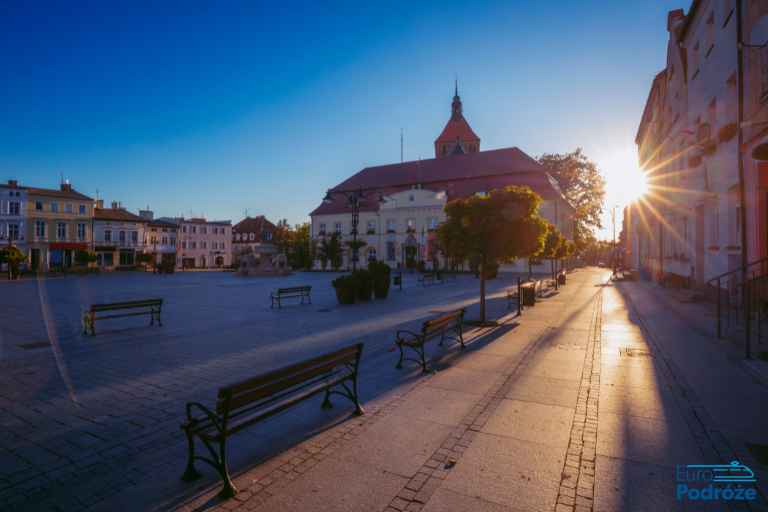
(482, 293)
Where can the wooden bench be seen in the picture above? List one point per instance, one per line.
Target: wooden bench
(302, 292)
(447, 325)
(251, 401)
(151, 307)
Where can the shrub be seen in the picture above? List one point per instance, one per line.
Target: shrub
(380, 272)
(363, 284)
(345, 289)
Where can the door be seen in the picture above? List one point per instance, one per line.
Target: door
(700, 244)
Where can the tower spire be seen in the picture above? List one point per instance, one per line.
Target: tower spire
(456, 88)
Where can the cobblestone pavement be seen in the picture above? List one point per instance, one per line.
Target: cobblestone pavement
(585, 403)
(85, 419)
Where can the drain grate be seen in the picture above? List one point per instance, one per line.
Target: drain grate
(634, 352)
(759, 452)
(34, 345)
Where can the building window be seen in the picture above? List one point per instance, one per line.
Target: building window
(337, 228)
(122, 237)
(61, 231)
(252, 236)
(173, 242)
(39, 229)
(266, 236)
(107, 235)
(390, 251)
(14, 207)
(371, 254)
(391, 225)
(68, 208)
(82, 209)
(164, 240)
(203, 244)
(55, 207)
(13, 231)
(183, 245)
(194, 230)
(183, 229)
(432, 223)
(135, 237)
(204, 230)
(81, 232)
(370, 227)
(322, 228)
(194, 245)
(39, 206)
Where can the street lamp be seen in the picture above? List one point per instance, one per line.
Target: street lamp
(353, 200)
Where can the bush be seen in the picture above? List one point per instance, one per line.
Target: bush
(345, 289)
(363, 285)
(380, 272)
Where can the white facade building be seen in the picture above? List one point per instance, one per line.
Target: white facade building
(204, 244)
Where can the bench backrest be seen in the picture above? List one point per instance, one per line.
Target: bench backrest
(442, 322)
(146, 303)
(294, 289)
(272, 386)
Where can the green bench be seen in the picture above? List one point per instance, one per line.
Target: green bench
(246, 403)
(446, 326)
(151, 307)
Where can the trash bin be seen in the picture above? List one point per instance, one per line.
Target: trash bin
(528, 294)
(397, 280)
(561, 278)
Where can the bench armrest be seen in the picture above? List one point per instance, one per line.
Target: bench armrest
(191, 420)
(405, 335)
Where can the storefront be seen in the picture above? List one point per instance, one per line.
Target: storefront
(62, 254)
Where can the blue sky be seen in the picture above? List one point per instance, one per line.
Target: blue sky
(214, 108)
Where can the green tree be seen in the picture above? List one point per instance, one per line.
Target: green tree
(330, 251)
(283, 236)
(498, 227)
(582, 184)
(300, 252)
(13, 257)
(554, 242)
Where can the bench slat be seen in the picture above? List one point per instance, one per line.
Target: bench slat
(347, 354)
(287, 384)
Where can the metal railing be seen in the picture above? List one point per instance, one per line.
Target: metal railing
(756, 296)
(729, 292)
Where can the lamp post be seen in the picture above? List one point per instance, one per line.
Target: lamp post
(353, 201)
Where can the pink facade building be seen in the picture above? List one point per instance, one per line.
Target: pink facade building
(706, 190)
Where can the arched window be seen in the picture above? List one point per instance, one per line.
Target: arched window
(371, 254)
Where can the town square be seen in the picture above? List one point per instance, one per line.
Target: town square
(502, 257)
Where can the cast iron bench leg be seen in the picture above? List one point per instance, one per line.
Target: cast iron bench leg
(190, 473)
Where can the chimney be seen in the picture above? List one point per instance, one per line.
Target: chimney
(115, 205)
(146, 214)
(66, 187)
(100, 204)
(13, 183)
(673, 18)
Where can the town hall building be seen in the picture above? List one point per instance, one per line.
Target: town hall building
(402, 204)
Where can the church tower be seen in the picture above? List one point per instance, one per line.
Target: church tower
(457, 137)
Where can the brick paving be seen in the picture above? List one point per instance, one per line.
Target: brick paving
(577, 485)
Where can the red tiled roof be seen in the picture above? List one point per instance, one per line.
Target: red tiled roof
(457, 128)
(71, 194)
(253, 225)
(458, 175)
(118, 214)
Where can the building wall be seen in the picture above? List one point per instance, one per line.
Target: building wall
(13, 211)
(50, 211)
(689, 225)
(204, 244)
(408, 218)
(122, 237)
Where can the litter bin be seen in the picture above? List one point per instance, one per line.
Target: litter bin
(528, 294)
(561, 278)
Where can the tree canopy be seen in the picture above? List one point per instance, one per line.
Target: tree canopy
(583, 186)
(497, 227)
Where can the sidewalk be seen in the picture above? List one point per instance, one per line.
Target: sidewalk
(510, 424)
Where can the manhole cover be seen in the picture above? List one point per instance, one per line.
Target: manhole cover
(34, 345)
(634, 352)
(760, 452)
